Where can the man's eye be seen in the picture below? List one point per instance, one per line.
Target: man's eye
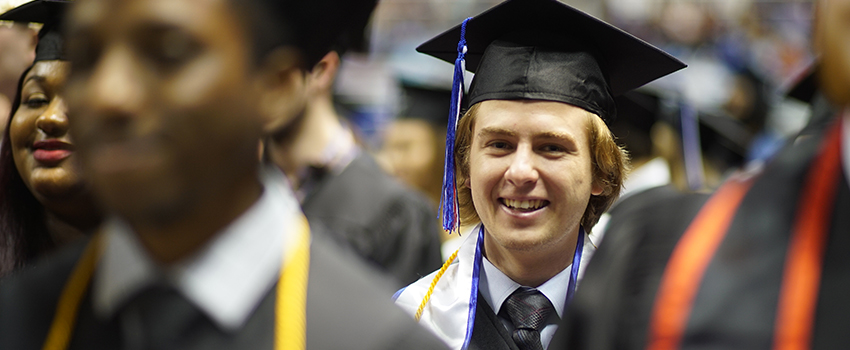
(553, 148)
(172, 49)
(499, 145)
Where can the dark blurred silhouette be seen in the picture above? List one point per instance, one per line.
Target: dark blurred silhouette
(761, 264)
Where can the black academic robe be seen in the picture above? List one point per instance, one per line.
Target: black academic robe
(347, 308)
(736, 303)
(489, 333)
(381, 219)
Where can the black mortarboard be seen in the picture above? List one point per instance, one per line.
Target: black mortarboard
(544, 49)
(50, 13)
(425, 103)
(637, 112)
(805, 85)
(541, 50)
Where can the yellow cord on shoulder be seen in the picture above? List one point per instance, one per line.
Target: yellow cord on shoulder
(291, 313)
(434, 284)
(72, 295)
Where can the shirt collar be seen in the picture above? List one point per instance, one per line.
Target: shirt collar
(250, 250)
(497, 287)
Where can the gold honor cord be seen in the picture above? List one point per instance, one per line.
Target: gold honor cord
(291, 309)
(436, 279)
(290, 312)
(69, 301)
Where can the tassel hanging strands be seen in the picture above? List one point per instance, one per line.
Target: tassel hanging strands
(448, 196)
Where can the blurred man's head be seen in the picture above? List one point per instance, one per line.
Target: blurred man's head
(170, 98)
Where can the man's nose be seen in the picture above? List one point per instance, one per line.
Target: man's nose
(522, 170)
(114, 88)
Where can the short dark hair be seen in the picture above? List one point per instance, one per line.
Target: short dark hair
(315, 27)
(265, 30)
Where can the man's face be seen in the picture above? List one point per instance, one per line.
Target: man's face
(832, 41)
(530, 172)
(164, 101)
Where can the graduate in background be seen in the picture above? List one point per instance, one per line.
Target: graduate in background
(536, 165)
(44, 201)
(761, 264)
(650, 126)
(415, 144)
(343, 188)
(204, 249)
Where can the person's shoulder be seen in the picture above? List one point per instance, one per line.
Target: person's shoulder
(365, 166)
(353, 302)
(45, 276)
(362, 181)
(29, 296)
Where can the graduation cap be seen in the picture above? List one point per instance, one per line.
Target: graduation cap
(544, 49)
(50, 13)
(805, 85)
(637, 112)
(541, 50)
(425, 103)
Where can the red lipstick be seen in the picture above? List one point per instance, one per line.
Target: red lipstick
(50, 152)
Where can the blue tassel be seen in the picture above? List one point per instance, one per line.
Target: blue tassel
(691, 147)
(448, 197)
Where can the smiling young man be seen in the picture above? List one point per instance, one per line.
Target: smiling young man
(203, 248)
(536, 166)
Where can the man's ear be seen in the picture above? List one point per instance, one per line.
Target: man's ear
(323, 74)
(282, 87)
(597, 188)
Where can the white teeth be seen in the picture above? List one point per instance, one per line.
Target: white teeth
(528, 204)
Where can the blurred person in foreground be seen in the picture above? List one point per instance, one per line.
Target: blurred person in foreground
(536, 165)
(652, 125)
(17, 50)
(44, 201)
(761, 264)
(342, 188)
(204, 249)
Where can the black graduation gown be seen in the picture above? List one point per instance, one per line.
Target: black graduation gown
(381, 219)
(735, 306)
(347, 308)
(488, 332)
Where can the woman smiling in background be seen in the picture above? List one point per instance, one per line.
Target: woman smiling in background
(43, 200)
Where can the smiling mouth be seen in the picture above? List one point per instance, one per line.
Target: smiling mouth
(525, 206)
(51, 152)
